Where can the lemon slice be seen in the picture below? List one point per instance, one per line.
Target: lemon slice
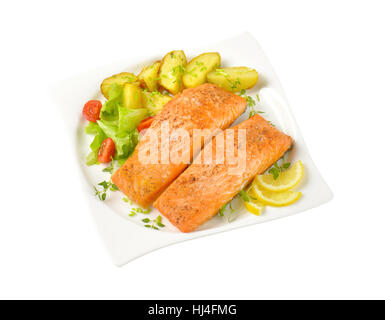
(254, 207)
(285, 181)
(276, 199)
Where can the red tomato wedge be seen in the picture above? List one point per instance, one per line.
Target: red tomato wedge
(91, 110)
(145, 124)
(106, 151)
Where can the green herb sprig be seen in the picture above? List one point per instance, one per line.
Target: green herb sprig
(221, 211)
(251, 104)
(243, 195)
(110, 168)
(106, 185)
(277, 169)
(246, 197)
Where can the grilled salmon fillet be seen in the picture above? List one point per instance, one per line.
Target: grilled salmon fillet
(204, 107)
(202, 189)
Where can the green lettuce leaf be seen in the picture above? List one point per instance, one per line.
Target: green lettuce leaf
(92, 158)
(94, 128)
(130, 118)
(125, 142)
(118, 123)
(110, 109)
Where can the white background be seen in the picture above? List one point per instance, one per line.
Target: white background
(329, 56)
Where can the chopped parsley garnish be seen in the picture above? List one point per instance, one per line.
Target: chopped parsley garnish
(234, 84)
(149, 223)
(177, 70)
(201, 65)
(221, 72)
(153, 223)
(137, 210)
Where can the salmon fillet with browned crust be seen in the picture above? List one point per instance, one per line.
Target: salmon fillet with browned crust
(204, 107)
(200, 191)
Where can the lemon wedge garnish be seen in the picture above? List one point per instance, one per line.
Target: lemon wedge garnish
(286, 180)
(276, 199)
(254, 207)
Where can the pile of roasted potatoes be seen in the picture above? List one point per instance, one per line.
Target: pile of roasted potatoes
(155, 84)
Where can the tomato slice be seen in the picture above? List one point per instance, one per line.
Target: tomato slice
(106, 151)
(91, 110)
(146, 123)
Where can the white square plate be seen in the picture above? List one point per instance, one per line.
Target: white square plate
(124, 236)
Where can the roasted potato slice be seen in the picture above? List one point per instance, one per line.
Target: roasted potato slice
(132, 96)
(148, 77)
(171, 71)
(197, 69)
(154, 101)
(120, 78)
(234, 79)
